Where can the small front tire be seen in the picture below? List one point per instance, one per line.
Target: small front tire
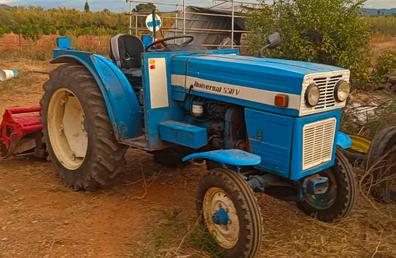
(230, 213)
(340, 196)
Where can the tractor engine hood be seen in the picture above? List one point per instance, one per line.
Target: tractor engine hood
(249, 81)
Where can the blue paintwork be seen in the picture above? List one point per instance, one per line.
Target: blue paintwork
(175, 111)
(260, 73)
(274, 133)
(153, 117)
(343, 140)
(147, 40)
(220, 217)
(153, 23)
(271, 137)
(232, 157)
(187, 135)
(63, 43)
(316, 185)
(277, 75)
(122, 105)
(296, 172)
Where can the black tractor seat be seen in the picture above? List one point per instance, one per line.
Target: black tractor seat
(126, 51)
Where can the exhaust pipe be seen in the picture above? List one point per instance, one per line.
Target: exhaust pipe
(8, 74)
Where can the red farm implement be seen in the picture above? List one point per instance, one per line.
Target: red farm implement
(20, 133)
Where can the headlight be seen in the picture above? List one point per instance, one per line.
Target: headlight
(312, 95)
(342, 90)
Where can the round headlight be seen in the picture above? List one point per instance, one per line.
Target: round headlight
(312, 95)
(342, 90)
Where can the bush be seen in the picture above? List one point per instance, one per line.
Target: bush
(32, 22)
(386, 64)
(330, 32)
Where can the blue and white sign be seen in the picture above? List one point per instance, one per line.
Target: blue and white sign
(150, 23)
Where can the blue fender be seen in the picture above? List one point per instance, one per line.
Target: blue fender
(343, 140)
(121, 101)
(232, 157)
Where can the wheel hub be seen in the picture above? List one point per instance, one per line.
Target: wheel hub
(320, 190)
(221, 217)
(316, 184)
(67, 129)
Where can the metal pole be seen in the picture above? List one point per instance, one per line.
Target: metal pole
(232, 23)
(177, 26)
(154, 26)
(136, 24)
(130, 17)
(184, 17)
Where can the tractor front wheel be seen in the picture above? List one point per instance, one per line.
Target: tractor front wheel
(230, 213)
(77, 130)
(340, 196)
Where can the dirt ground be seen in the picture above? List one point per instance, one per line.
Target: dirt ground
(149, 211)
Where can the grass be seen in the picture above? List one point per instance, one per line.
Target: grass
(13, 46)
(383, 24)
(172, 236)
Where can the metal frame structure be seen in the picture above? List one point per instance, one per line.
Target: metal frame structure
(180, 15)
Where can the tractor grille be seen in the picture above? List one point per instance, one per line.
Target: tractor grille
(326, 86)
(318, 141)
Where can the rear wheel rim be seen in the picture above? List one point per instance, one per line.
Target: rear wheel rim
(67, 129)
(227, 236)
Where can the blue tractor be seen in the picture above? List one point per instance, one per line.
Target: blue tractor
(262, 125)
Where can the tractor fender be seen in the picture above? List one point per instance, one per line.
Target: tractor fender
(343, 140)
(121, 101)
(232, 157)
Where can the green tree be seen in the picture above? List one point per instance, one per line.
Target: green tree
(87, 9)
(330, 32)
(145, 8)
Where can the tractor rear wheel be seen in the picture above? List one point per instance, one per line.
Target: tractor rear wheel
(382, 164)
(230, 213)
(77, 130)
(339, 199)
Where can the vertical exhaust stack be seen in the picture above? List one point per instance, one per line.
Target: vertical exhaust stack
(8, 74)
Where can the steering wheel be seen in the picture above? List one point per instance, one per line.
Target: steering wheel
(150, 48)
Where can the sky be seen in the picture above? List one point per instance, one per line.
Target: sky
(120, 5)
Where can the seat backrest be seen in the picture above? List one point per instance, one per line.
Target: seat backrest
(126, 51)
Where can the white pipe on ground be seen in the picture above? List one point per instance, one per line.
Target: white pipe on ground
(8, 74)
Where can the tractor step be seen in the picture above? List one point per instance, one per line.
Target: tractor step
(183, 134)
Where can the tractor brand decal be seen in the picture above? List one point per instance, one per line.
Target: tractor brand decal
(234, 91)
(218, 89)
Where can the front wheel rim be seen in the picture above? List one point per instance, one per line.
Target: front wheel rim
(67, 129)
(326, 200)
(217, 200)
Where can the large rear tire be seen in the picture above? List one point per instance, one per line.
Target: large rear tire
(230, 213)
(383, 171)
(77, 130)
